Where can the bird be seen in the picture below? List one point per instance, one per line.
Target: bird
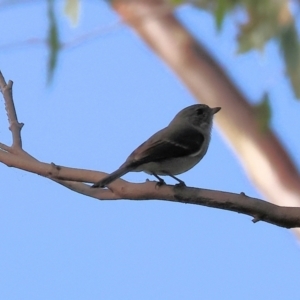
(173, 150)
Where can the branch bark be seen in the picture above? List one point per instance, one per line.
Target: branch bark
(265, 160)
(76, 179)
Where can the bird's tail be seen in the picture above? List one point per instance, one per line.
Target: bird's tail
(111, 177)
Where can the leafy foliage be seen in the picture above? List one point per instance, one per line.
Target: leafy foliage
(265, 20)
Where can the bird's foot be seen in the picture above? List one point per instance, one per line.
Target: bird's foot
(160, 183)
(160, 180)
(180, 184)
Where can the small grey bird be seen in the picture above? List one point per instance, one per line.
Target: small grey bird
(173, 150)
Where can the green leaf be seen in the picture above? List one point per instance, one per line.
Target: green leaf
(263, 113)
(220, 12)
(291, 52)
(53, 40)
(254, 36)
(265, 20)
(72, 11)
(262, 23)
(256, 33)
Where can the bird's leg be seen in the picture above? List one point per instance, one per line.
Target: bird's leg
(181, 183)
(160, 182)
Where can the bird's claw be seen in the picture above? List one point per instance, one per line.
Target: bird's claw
(180, 184)
(160, 183)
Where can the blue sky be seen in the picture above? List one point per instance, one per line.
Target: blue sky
(108, 95)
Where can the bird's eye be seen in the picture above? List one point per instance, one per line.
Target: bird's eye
(200, 111)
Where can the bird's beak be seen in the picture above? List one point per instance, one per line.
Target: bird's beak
(215, 110)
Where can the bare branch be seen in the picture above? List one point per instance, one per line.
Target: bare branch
(14, 126)
(74, 179)
(260, 210)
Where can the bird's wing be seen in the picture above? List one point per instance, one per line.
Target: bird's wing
(180, 143)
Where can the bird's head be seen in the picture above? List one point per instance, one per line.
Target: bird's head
(199, 115)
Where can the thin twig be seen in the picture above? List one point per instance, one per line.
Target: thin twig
(14, 126)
